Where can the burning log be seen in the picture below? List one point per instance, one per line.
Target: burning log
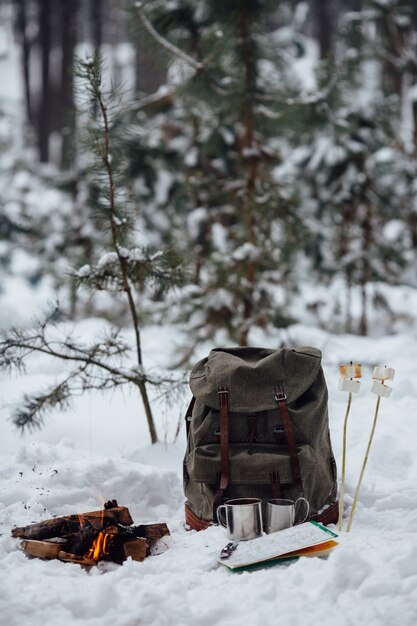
(59, 526)
(86, 539)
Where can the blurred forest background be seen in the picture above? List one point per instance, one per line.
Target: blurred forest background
(291, 155)
(260, 157)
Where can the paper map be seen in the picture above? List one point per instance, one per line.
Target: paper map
(277, 544)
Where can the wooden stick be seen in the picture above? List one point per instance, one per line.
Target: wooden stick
(355, 499)
(342, 486)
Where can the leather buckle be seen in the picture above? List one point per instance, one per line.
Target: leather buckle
(280, 394)
(279, 434)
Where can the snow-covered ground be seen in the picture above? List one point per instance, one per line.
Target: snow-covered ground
(100, 451)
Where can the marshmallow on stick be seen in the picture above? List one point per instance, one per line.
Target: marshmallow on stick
(347, 382)
(380, 375)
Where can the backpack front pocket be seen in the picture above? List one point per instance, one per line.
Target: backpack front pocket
(203, 463)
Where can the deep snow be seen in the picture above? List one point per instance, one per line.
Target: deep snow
(371, 578)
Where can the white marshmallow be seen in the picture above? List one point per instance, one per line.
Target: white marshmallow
(383, 373)
(380, 389)
(346, 384)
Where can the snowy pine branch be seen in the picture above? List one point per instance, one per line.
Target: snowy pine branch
(142, 268)
(100, 365)
(30, 415)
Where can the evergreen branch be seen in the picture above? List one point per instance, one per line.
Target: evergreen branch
(20, 349)
(32, 412)
(142, 267)
(306, 100)
(90, 371)
(164, 43)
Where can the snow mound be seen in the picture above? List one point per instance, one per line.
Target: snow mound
(42, 480)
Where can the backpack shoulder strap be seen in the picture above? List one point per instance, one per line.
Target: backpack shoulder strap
(281, 397)
(224, 448)
(189, 415)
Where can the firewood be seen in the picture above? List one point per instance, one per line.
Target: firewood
(151, 532)
(82, 540)
(136, 548)
(68, 557)
(62, 526)
(41, 549)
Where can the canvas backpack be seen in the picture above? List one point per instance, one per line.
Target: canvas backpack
(257, 426)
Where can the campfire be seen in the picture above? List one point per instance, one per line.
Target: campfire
(87, 538)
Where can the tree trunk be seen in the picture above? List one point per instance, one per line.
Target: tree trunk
(250, 159)
(68, 24)
(96, 22)
(44, 109)
(22, 28)
(148, 411)
(354, 5)
(366, 268)
(323, 26)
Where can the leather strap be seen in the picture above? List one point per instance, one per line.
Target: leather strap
(224, 449)
(281, 397)
(275, 484)
(194, 522)
(189, 415)
(252, 432)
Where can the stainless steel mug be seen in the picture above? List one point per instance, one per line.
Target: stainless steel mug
(281, 513)
(243, 518)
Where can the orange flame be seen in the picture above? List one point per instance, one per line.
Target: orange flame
(99, 547)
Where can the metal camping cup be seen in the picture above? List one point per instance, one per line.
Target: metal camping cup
(282, 514)
(243, 518)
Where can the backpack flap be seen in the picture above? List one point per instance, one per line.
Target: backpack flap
(251, 375)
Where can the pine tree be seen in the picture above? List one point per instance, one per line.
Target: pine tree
(124, 267)
(358, 162)
(234, 96)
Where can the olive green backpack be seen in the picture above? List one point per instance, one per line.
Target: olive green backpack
(257, 426)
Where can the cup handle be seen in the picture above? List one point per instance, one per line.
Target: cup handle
(219, 521)
(308, 509)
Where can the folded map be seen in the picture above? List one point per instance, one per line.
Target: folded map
(308, 539)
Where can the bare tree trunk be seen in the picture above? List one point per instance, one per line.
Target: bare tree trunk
(250, 158)
(323, 26)
(44, 111)
(22, 28)
(414, 13)
(366, 268)
(349, 215)
(68, 23)
(96, 22)
(354, 5)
